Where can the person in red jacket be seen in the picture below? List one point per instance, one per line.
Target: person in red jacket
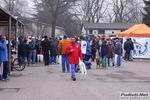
(74, 53)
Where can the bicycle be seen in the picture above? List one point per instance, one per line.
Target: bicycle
(18, 63)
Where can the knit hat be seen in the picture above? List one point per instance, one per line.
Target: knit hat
(103, 38)
(25, 37)
(65, 36)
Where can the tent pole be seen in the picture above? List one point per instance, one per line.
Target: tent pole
(9, 44)
(17, 38)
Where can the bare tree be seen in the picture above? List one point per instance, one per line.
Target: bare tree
(54, 9)
(16, 7)
(126, 11)
(91, 10)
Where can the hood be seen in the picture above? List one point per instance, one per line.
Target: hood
(87, 38)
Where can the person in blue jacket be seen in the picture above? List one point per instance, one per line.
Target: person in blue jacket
(88, 49)
(3, 58)
(53, 51)
(23, 49)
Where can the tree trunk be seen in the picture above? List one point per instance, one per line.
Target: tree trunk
(53, 28)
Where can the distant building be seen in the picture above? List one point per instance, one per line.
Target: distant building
(108, 29)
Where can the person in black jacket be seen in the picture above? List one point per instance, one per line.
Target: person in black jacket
(128, 46)
(94, 47)
(45, 44)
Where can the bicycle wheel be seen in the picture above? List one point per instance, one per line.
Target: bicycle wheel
(19, 64)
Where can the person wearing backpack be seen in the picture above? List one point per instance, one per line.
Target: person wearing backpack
(32, 51)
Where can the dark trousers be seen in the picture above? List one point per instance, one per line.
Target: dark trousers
(87, 57)
(127, 55)
(108, 61)
(83, 57)
(93, 55)
(46, 57)
(5, 69)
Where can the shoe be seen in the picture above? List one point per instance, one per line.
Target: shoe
(73, 78)
(68, 71)
(63, 71)
(104, 68)
(131, 60)
(3, 79)
(113, 64)
(8, 78)
(33, 65)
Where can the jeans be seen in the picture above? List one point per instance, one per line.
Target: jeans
(24, 58)
(53, 59)
(65, 62)
(131, 54)
(32, 53)
(117, 60)
(73, 69)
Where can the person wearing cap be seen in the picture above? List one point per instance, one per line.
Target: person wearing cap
(32, 51)
(61, 51)
(45, 44)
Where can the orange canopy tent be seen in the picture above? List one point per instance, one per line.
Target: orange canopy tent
(139, 30)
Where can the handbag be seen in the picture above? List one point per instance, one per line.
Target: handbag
(82, 68)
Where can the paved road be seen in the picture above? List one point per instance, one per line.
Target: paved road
(49, 83)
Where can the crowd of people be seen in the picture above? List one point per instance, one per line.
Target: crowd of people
(71, 50)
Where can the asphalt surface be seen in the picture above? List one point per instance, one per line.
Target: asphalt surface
(49, 83)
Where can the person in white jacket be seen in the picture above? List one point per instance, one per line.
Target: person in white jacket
(83, 46)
